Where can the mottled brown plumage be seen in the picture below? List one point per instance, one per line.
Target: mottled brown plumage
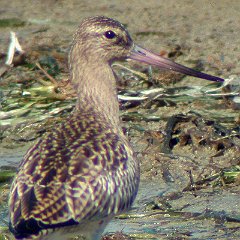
(82, 173)
(71, 173)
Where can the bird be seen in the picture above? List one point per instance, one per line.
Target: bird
(84, 172)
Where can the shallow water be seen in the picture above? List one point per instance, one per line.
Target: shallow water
(192, 223)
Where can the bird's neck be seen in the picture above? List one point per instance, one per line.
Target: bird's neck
(96, 89)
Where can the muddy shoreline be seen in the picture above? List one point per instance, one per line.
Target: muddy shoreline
(186, 191)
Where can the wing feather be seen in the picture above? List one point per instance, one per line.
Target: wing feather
(71, 175)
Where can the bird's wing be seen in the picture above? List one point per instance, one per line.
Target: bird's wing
(70, 175)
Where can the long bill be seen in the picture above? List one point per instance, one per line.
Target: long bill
(143, 55)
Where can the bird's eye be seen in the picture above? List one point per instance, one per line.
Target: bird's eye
(110, 34)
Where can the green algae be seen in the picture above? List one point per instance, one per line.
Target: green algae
(12, 22)
(6, 175)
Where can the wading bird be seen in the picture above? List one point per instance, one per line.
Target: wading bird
(78, 176)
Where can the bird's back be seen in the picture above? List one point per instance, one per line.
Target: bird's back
(82, 170)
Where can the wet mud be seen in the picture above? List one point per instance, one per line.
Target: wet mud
(185, 131)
